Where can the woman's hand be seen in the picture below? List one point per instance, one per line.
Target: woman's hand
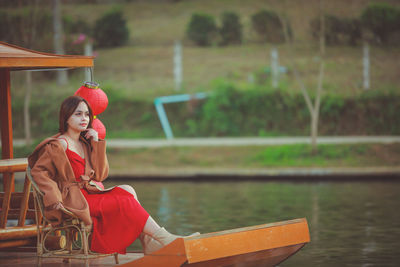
(91, 133)
(59, 206)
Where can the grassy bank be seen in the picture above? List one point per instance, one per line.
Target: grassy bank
(231, 158)
(180, 159)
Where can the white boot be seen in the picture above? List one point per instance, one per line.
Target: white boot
(157, 240)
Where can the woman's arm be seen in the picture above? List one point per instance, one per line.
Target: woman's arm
(99, 160)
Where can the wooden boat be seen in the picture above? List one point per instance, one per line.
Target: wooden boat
(262, 245)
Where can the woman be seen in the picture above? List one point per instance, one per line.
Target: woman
(69, 168)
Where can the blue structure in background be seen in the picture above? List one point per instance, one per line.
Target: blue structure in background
(159, 101)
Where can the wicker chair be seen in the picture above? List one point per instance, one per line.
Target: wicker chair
(75, 243)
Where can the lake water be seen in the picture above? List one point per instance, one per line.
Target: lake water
(351, 223)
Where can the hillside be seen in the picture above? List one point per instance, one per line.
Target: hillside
(162, 22)
(144, 67)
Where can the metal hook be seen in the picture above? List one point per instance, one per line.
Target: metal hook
(91, 74)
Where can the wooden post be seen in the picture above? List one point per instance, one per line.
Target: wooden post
(274, 67)
(6, 140)
(88, 52)
(178, 65)
(24, 204)
(6, 116)
(366, 66)
(27, 100)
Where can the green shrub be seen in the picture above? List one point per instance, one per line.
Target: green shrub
(230, 111)
(231, 30)
(268, 26)
(110, 30)
(201, 29)
(227, 111)
(338, 30)
(382, 20)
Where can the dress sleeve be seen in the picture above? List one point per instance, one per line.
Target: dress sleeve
(99, 160)
(43, 173)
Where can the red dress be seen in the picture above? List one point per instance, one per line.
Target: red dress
(118, 218)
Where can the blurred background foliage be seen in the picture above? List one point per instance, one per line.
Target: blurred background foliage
(229, 111)
(226, 53)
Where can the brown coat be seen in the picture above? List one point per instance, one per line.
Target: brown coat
(53, 174)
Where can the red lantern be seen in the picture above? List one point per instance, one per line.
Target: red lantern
(97, 99)
(100, 128)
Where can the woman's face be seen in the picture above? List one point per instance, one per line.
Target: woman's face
(79, 120)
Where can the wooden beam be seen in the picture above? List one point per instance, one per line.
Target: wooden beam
(18, 232)
(46, 62)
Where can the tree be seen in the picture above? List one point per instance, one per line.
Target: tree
(382, 20)
(231, 30)
(268, 26)
(62, 76)
(201, 29)
(28, 88)
(111, 29)
(313, 108)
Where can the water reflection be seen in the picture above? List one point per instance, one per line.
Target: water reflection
(164, 211)
(351, 224)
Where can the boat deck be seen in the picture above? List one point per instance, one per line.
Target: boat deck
(17, 259)
(260, 245)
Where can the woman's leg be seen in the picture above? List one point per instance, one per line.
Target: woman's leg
(155, 237)
(129, 189)
(151, 226)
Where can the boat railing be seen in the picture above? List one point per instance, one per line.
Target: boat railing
(17, 224)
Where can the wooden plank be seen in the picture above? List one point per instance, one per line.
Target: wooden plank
(18, 243)
(246, 240)
(22, 248)
(265, 258)
(13, 165)
(172, 255)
